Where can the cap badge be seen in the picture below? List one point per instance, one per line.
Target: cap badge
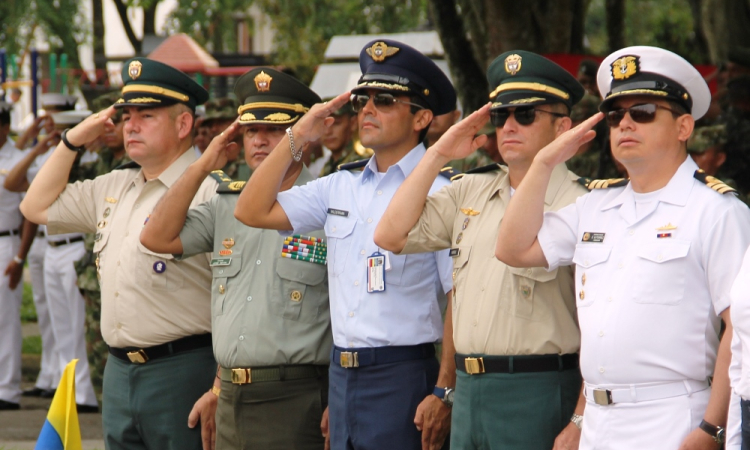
(625, 67)
(513, 64)
(263, 82)
(134, 69)
(380, 51)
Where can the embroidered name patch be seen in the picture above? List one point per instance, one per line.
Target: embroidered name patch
(338, 212)
(590, 236)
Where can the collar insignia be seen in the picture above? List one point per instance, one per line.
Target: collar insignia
(513, 64)
(134, 69)
(625, 67)
(380, 51)
(263, 82)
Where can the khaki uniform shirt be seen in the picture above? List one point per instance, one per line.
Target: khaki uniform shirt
(497, 309)
(147, 298)
(267, 309)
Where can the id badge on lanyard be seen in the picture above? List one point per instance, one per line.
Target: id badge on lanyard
(376, 266)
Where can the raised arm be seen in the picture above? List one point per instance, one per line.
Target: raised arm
(257, 206)
(407, 204)
(16, 180)
(32, 132)
(517, 243)
(53, 176)
(162, 231)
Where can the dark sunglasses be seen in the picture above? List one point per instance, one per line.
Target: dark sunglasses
(645, 113)
(381, 100)
(524, 115)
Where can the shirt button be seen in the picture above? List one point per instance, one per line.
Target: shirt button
(119, 326)
(528, 272)
(631, 232)
(127, 233)
(619, 266)
(137, 205)
(242, 338)
(361, 252)
(117, 294)
(380, 192)
(351, 314)
(586, 262)
(257, 262)
(356, 283)
(601, 333)
(475, 323)
(250, 298)
(118, 263)
(601, 370)
(482, 289)
(333, 229)
(659, 258)
(609, 299)
(369, 220)
(351, 344)
(221, 271)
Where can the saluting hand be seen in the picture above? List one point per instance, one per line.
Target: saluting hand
(47, 142)
(314, 123)
(567, 144)
(461, 139)
(216, 154)
(92, 127)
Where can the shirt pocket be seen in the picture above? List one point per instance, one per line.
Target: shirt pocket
(661, 271)
(159, 269)
(590, 272)
(302, 293)
(460, 274)
(222, 275)
(523, 281)
(339, 235)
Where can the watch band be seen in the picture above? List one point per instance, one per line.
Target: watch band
(716, 432)
(444, 394)
(64, 139)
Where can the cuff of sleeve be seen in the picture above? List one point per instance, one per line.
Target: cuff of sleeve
(411, 245)
(289, 214)
(551, 253)
(54, 226)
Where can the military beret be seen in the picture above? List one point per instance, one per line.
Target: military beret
(67, 119)
(521, 78)
(395, 67)
(105, 101)
(223, 108)
(270, 97)
(706, 137)
(655, 72)
(152, 84)
(59, 102)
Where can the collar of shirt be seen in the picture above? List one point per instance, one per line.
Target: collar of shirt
(558, 176)
(405, 164)
(170, 175)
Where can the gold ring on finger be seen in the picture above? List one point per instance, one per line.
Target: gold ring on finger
(222, 134)
(96, 116)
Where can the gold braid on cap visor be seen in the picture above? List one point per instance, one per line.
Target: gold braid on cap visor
(296, 107)
(539, 87)
(155, 90)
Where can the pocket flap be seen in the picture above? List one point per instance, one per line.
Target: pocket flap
(539, 274)
(303, 272)
(591, 254)
(222, 268)
(664, 251)
(339, 227)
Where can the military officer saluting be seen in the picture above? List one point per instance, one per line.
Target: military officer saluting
(155, 310)
(655, 259)
(272, 329)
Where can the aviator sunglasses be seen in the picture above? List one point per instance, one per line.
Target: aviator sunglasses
(381, 100)
(645, 113)
(524, 115)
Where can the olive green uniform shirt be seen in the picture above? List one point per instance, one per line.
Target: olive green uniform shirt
(147, 298)
(266, 309)
(497, 309)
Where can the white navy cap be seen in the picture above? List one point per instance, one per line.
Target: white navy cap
(58, 101)
(652, 71)
(70, 118)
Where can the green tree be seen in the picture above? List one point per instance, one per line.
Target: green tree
(212, 24)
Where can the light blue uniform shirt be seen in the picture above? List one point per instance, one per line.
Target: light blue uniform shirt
(348, 206)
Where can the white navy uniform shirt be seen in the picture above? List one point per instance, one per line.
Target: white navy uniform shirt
(11, 218)
(652, 278)
(348, 206)
(739, 373)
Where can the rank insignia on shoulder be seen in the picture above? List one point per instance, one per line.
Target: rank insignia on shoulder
(220, 176)
(450, 173)
(713, 182)
(231, 187)
(353, 165)
(483, 169)
(590, 184)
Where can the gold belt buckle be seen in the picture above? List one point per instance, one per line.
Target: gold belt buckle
(241, 376)
(138, 356)
(603, 397)
(474, 365)
(349, 359)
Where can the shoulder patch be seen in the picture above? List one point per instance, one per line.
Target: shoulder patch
(713, 182)
(128, 165)
(231, 187)
(590, 184)
(353, 165)
(220, 176)
(450, 173)
(483, 169)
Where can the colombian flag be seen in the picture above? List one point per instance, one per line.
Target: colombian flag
(61, 430)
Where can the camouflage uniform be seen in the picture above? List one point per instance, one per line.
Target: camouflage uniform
(591, 164)
(349, 155)
(479, 158)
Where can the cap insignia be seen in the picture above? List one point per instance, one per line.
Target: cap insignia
(513, 64)
(134, 69)
(380, 51)
(263, 82)
(625, 67)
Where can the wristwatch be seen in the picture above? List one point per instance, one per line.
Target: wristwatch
(445, 394)
(64, 139)
(577, 420)
(717, 433)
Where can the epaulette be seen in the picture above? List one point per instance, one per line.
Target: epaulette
(231, 187)
(713, 182)
(483, 169)
(220, 176)
(590, 184)
(353, 165)
(450, 173)
(128, 165)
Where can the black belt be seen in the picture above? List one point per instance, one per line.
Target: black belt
(65, 241)
(361, 357)
(271, 373)
(516, 364)
(141, 355)
(9, 233)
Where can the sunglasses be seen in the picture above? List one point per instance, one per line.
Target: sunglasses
(525, 115)
(381, 100)
(645, 113)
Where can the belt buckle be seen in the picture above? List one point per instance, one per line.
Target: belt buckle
(138, 356)
(603, 397)
(241, 376)
(349, 360)
(474, 366)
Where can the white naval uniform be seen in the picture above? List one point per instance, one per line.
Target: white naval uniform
(739, 371)
(10, 300)
(653, 271)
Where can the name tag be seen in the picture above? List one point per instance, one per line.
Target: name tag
(338, 212)
(590, 236)
(221, 261)
(376, 272)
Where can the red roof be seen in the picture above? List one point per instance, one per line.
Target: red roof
(182, 52)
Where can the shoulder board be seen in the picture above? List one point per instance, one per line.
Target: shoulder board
(220, 176)
(450, 173)
(713, 182)
(231, 187)
(353, 165)
(483, 169)
(128, 165)
(590, 184)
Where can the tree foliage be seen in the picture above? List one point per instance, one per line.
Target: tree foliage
(212, 23)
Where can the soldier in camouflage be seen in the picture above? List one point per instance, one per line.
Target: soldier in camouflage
(485, 155)
(338, 139)
(220, 113)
